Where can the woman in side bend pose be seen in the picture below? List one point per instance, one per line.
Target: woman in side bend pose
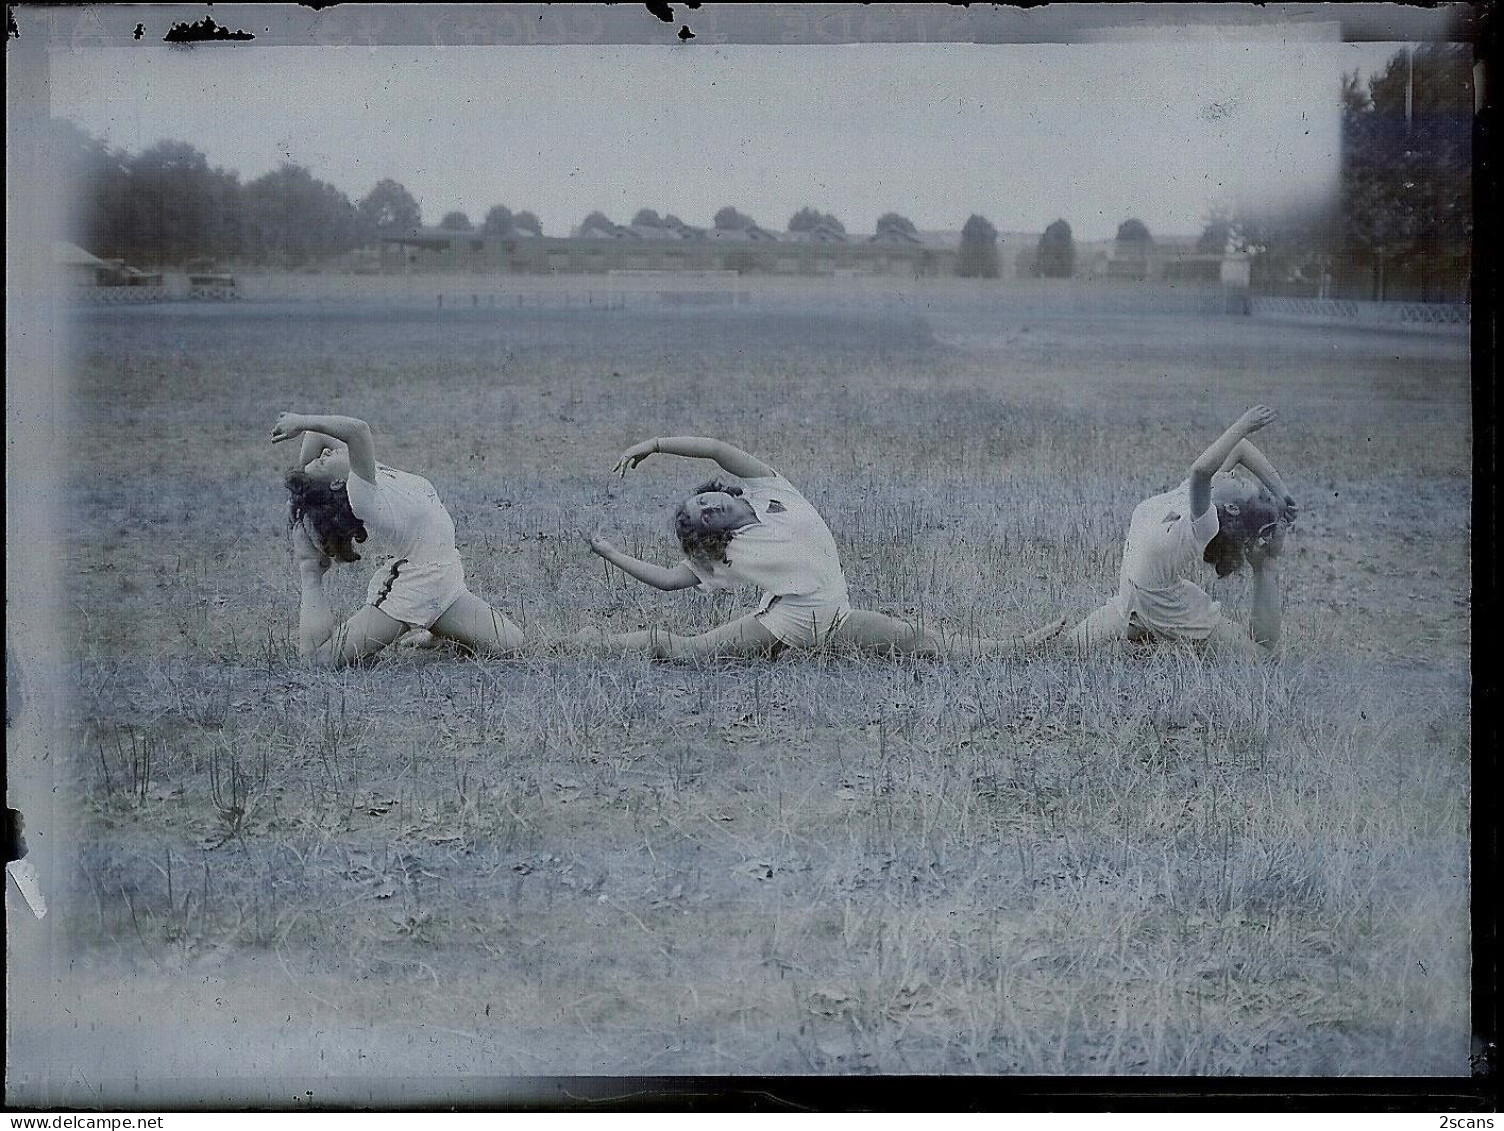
(1214, 516)
(340, 495)
(765, 533)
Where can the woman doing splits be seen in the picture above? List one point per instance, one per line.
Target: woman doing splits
(1213, 516)
(340, 496)
(766, 534)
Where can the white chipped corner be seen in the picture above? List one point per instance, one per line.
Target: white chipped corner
(31, 888)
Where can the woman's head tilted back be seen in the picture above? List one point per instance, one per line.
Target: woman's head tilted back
(325, 506)
(705, 525)
(1245, 511)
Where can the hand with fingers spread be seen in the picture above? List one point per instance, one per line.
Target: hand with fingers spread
(1259, 416)
(634, 456)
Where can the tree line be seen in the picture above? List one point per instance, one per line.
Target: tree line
(167, 205)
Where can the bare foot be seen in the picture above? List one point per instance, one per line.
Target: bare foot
(1049, 631)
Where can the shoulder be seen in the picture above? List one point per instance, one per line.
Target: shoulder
(774, 482)
(1158, 503)
(357, 485)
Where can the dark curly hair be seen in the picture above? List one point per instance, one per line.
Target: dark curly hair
(706, 548)
(1236, 527)
(328, 512)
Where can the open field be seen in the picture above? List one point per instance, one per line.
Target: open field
(433, 869)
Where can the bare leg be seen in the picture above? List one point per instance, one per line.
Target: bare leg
(1104, 627)
(977, 647)
(476, 625)
(878, 632)
(744, 636)
(364, 634)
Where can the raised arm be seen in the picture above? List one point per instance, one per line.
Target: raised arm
(354, 434)
(659, 577)
(1255, 461)
(313, 446)
(1209, 462)
(731, 458)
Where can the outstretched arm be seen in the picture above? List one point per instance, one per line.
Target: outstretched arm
(659, 577)
(731, 458)
(1210, 461)
(354, 434)
(320, 641)
(315, 617)
(1264, 615)
(1255, 461)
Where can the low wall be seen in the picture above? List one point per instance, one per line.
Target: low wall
(1433, 316)
(985, 298)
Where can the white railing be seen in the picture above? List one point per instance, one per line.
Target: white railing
(1365, 313)
(112, 295)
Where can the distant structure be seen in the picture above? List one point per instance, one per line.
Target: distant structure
(601, 246)
(83, 270)
(80, 268)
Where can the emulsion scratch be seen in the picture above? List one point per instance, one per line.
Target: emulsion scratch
(206, 30)
(12, 688)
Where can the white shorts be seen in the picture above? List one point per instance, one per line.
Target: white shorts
(1137, 619)
(802, 622)
(416, 592)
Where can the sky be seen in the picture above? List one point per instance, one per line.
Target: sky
(1023, 134)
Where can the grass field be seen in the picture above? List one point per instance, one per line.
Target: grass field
(437, 868)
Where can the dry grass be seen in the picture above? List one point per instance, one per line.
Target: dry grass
(1144, 863)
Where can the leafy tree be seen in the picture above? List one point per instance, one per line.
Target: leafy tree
(525, 221)
(1056, 256)
(978, 258)
(456, 222)
(686, 231)
(1220, 229)
(499, 221)
(596, 221)
(1407, 164)
(389, 208)
(892, 221)
(293, 218)
(808, 219)
(647, 218)
(174, 207)
(728, 219)
(1133, 231)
